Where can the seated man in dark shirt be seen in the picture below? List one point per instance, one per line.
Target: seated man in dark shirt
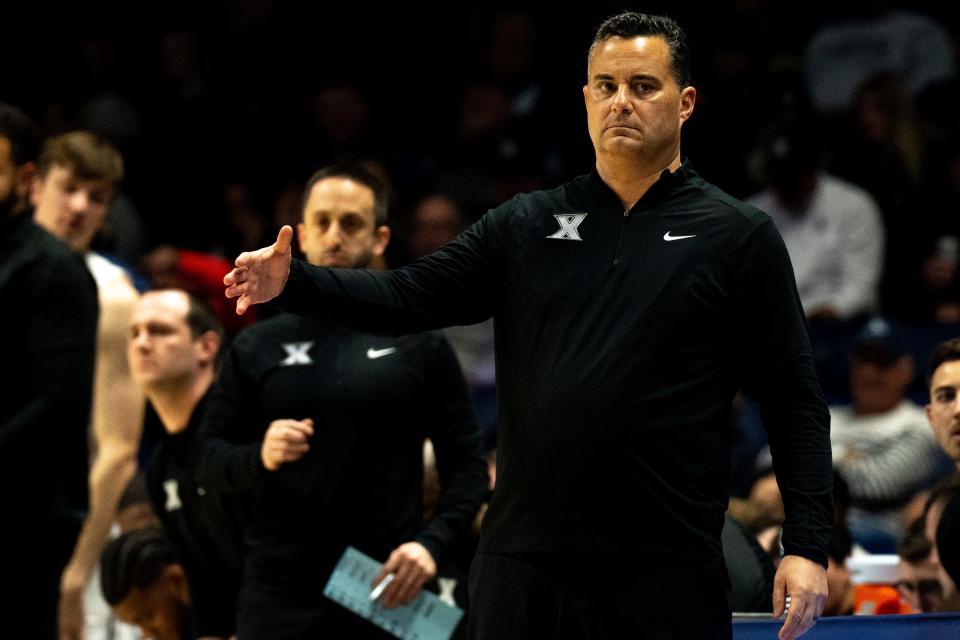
(173, 349)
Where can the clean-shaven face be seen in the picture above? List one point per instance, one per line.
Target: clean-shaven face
(71, 208)
(161, 348)
(634, 105)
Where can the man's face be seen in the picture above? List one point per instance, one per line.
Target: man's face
(877, 387)
(161, 348)
(436, 221)
(13, 189)
(338, 228)
(943, 412)
(634, 105)
(70, 208)
(160, 610)
(919, 586)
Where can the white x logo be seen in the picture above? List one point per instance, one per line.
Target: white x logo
(568, 226)
(173, 496)
(297, 353)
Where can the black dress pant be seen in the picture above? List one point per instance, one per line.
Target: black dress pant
(593, 597)
(267, 614)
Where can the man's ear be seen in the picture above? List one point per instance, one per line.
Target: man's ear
(209, 343)
(688, 100)
(382, 234)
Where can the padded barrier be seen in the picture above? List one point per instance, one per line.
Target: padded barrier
(924, 626)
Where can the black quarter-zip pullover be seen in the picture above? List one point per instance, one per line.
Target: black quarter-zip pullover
(621, 340)
(373, 401)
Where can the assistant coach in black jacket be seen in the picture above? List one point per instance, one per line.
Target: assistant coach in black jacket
(327, 425)
(630, 304)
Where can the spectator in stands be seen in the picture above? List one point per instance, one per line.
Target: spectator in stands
(437, 219)
(940, 497)
(832, 229)
(881, 444)
(943, 411)
(199, 274)
(918, 576)
(948, 538)
(877, 38)
(841, 598)
(932, 283)
(749, 567)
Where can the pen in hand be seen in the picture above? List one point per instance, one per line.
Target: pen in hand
(378, 590)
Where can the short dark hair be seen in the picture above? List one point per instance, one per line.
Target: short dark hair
(23, 134)
(358, 173)
(135, 559)
(201, 318)
(945, 352)
(90, 156)
(631, 24)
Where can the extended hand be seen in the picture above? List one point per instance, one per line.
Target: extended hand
(413, 566)
(285, 441)
(805, 582)
(262, 274)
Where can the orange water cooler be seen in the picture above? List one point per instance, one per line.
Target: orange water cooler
(873, 577)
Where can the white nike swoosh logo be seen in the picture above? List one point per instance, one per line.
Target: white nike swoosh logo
(373, 354)
(670, 238)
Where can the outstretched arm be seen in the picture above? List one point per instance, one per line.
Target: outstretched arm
(260, 275)
(460, 283)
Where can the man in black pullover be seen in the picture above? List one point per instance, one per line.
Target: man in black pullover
(630, 305)
(49, 325)
(327, 426)
(173, 348)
